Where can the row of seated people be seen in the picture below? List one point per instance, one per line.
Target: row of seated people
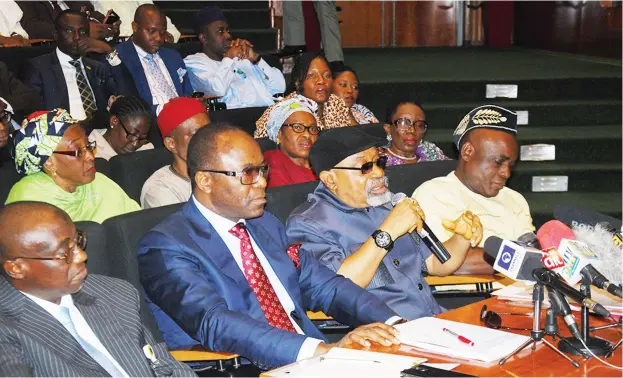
(229, 243)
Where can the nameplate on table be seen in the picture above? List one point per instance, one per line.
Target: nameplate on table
(522, 117)
(537, 152)
(550, 183)
(501, 90)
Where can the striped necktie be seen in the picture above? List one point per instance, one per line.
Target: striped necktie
(88, 101)
(99, 357)
(155, 72)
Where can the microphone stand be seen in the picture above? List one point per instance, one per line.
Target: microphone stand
(596, 345)
(551, 327)
(537, 333)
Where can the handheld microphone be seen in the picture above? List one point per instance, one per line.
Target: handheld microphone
(554, 282)
(581, 218)
(512, 259)
(427, 235)
(529, 239)
(577, 256)
(560, 304)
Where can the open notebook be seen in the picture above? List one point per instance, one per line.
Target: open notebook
(489, 344)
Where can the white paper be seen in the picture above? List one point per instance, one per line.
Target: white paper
(537, 152)
(442, 366)
(341, 362)
(501, 90)
(489, 344)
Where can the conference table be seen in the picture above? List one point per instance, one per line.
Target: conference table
(542, 362)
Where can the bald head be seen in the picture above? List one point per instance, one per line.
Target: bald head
(487, 158)
(146, 12)
(21, 221)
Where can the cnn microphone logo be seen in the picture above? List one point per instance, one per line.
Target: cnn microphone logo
(551, 259)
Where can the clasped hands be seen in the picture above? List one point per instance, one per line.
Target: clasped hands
(242, 49)
(407, 216)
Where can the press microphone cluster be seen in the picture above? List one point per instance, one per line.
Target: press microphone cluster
(427, 235)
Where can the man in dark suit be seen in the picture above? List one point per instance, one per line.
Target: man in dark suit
(159, 73)
(65, 79)
(217, 272)
(38, 18)
(54, 321)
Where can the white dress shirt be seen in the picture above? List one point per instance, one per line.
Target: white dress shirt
(10, 16)
(76, 108)
(222, 227)
(159, 97)
(126, 9)
(241, 83)
(82, 327)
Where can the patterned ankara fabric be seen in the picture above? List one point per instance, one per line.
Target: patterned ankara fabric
(284, 109)
(363, 115)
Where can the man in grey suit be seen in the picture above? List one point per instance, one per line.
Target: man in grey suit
(54, 321)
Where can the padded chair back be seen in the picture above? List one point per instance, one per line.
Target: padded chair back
(130, 171)
(8, 178)
(102, 166)
(244, 118)
(281, 200)
(266, 144)
(375, 129)
(123, 233)
(98, 260)
(407, 177)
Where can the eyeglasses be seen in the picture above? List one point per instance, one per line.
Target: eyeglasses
(80, 152)
(404, 124)
(248, 176)
(367, 167)
(5, 117)
(300, 128)
(79, 241)
(494, 320)
(133, 138)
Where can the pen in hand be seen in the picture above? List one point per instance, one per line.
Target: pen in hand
(462, 339)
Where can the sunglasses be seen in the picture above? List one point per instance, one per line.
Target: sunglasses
(494, 320)
(367, 167)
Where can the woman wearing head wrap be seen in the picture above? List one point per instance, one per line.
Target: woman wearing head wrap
(52, 151)
(292, 125)
(311, 77)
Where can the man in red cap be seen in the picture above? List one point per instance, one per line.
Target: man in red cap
(178, 121)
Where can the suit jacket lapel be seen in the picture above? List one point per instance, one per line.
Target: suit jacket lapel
(130, 58)
(110, 332)
(164, 55)
(57, 70)
(214, 248)
(39, 325)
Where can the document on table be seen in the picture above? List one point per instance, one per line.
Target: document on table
(488, 344)
(522, 291)
(342, 362)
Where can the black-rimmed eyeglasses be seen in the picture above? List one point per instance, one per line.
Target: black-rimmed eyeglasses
(80, 152)
(131, 137)
(248, 176)
(494, 320)
(405, 124)
(300, 128)
(79, 241)
(366, 168)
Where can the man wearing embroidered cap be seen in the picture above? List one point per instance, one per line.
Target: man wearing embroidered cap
(486, 140)
(349, 224)
(178, 121)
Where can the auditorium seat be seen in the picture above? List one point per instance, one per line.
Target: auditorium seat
(243, 118)
(407, 177)
(98, 261)
(102, 166)
(131, 170)
(281, 200)
(266, 144)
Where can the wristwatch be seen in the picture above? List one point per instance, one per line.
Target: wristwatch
(383, 240)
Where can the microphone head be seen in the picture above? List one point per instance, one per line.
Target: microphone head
(529, 239)
(492, 246)
(511, 259)
(397, 197)
(552, 232)
(600, 243)
(575, 217)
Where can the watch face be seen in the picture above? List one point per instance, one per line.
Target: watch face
(383, 239)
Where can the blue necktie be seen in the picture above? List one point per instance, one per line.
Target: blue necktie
(99, 357)
(154, 71)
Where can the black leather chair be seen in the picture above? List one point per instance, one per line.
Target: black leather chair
(98, 261)
(281, 200)
(244, 118)
(407, 177)
(130, 171)
(266, 144)
(102, 166)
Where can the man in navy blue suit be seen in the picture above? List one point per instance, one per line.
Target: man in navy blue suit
(219, 271)
(159, 73)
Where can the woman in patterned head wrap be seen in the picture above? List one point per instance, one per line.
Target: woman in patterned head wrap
(52, 151)
(292, 125)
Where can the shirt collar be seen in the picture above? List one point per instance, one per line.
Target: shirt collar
(64, 58)
(53, 308)
(221, 224)
(142, 53)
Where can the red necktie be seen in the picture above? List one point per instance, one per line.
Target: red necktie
(258, 280)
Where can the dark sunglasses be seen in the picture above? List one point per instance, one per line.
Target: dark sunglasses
(494, 320)
(367, 167)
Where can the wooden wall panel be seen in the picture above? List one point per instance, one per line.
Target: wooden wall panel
(361, 23)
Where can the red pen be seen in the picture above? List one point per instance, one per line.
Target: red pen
(462, 339)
